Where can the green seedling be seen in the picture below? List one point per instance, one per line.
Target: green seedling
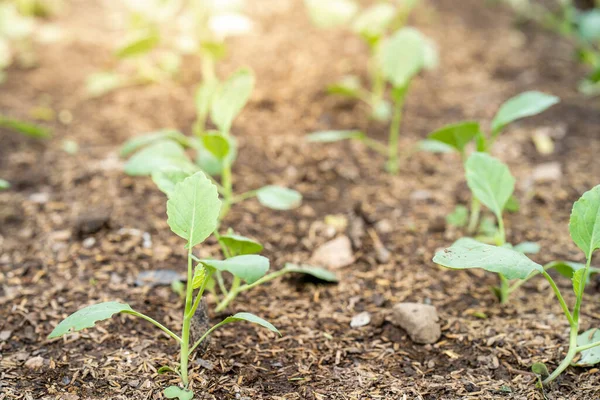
(193, 210)
(16, 30)
(456, 137)
(373, 25)
(400, 58)
(584, 228)
(163, 156)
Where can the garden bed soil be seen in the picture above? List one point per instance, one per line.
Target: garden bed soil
(71, 227)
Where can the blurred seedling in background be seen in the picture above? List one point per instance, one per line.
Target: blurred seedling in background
(163, 156)
(584, 227)
(161, 32)
(373, 25)
(457, 137)
(193, 210)
(400, 58)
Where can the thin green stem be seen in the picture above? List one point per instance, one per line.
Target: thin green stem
(375, 145)
(227, 182)
(504, 289)
(233, 292)
(474, 215)
(206, 334)
(561, 300)
(587, 346)
(568, 358)
(394, 136)
(579, 299)
(156, 323)
(244, 196)
(187, 320)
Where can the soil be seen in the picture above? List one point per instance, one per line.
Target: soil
(75, 230)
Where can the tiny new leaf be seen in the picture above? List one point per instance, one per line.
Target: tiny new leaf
(88, 316)
(403, 56)
(217, 144)
(193, 209)
(349, 86)
(334, 136)
(249, 268)
(139, 45)
(230, 97)
(244, 316)
(24, 128)
(330, 13)
(584, 224)
(4, 184)
(459, 217)
(160, 154)
(590, 356)
(175, 392)
(240, 245)
(468, 253)
(523, 105)
(278, 198)
(211, 164)
(578, 281)
(456, 135)
(166, 178)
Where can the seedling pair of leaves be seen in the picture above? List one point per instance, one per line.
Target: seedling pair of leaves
(193, 210)
(457, 137)
(399, 59)
(584, 228)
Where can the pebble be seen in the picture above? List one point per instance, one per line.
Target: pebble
(39, 198)
(157, 277)
(336, 253)
(362, 319)
(35, 362)
(421, 195)
(420, 321)
(5, 335)
(547, 172)
(89, 242)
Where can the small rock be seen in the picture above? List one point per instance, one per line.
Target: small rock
(22, 356)
(334, 254)
(134, 383)
(361, 319)
(383, 226)
(420, 321)
(205, 364)
(39, 198)
(90, 222)
(158, 277)
(547, 172)
(5, 335)
(382, 254)
(89, 242)
(377, 320)
(421, 195)
(35, 362)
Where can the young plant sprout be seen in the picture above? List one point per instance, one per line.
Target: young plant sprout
(372, 24)
(193, 211)
(400, 58)
(457, 136)
(584, 227)
(162, 155)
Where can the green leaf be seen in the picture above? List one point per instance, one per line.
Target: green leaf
(240, 245)
(584, 224)
(590, 356)
(100, 83)
(468, 253)
(278, 198)
(24, 128)
(568, 268)
(159, 155)
(540, 369)
(459, 217)
(244, 316)
(512, 205)
(229, 99)
(372, 23)
(166, 178)
(490, 181)
(175, 392)
(199, 276)
(4, 184)
(456, 135)
(88, 316)
(141, 44)
(589, 25)
(211, 164)
(330, 13)
(334, 136)
(527, 248)
(523, 105)
(217, 144)
(248, 268)
(578, 280)
(433, 146)
(317, 272)
(349, 86)
(136, 143)
(165, 369)
(403, 56)
(193, 209)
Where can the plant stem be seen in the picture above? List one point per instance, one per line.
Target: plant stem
(187, 320)
(587, 346)
(504, 289)
(474, 215)
(233, 292)
(561, 300)
(394, 136)
(156, 323)
(375, 145)
(568, 358)
(244, 196)
(227, 183)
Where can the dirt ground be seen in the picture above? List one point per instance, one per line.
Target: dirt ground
(60, 201)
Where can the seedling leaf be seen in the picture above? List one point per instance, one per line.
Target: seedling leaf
(193, 209)
(468, 253)
(101, 83)
(136, 143)
(4, 184)
(217, 144)
(330, 13)
(490, 181)
(88, 316)
(161, 154)
(165, 369)
(317, 272)
(349, 86)
(433, 146)
(166, 178)
(244, 316)
(590, 356)
(334, 136)
(175, 392)
(568, 268)
(522, 105)
(578, 280)
(372, 23)
(403, 56)
(456, 135)
(584, 224)
(211, 164)
(459, 217)
(204, 96)
(141, 44)
(248, 268)
(24, 128)
(278, 198)
(240, 245)
(199, 276)
(540, 369)
(229, 99)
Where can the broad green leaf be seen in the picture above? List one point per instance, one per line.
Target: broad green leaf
(334, 136)
(211, 164)
(459, 217)
(24, 128)
(100, 83)
(403, 56)
(527, 248)
(584, 224)
(317, 272)
(88, 316)
(330, 13)
(578, 280)
(217, 144)
(372, 23)
(4, 184)
(456, 135)
(199, 276)
(159, 155)
(589, 25)
(136, 143)
(141, 44)
(590, 356)
(240, 245)
(349, 86)
(468, 253)
(433, 146)
(175, 392)
(204, 96)
(244, 316)
(166, 178)
(193, 209)
(523, 105)
(229, 99)
(249, 268)
(278, 198)
(490, 181)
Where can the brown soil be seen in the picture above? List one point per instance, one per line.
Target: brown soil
(47, 273)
